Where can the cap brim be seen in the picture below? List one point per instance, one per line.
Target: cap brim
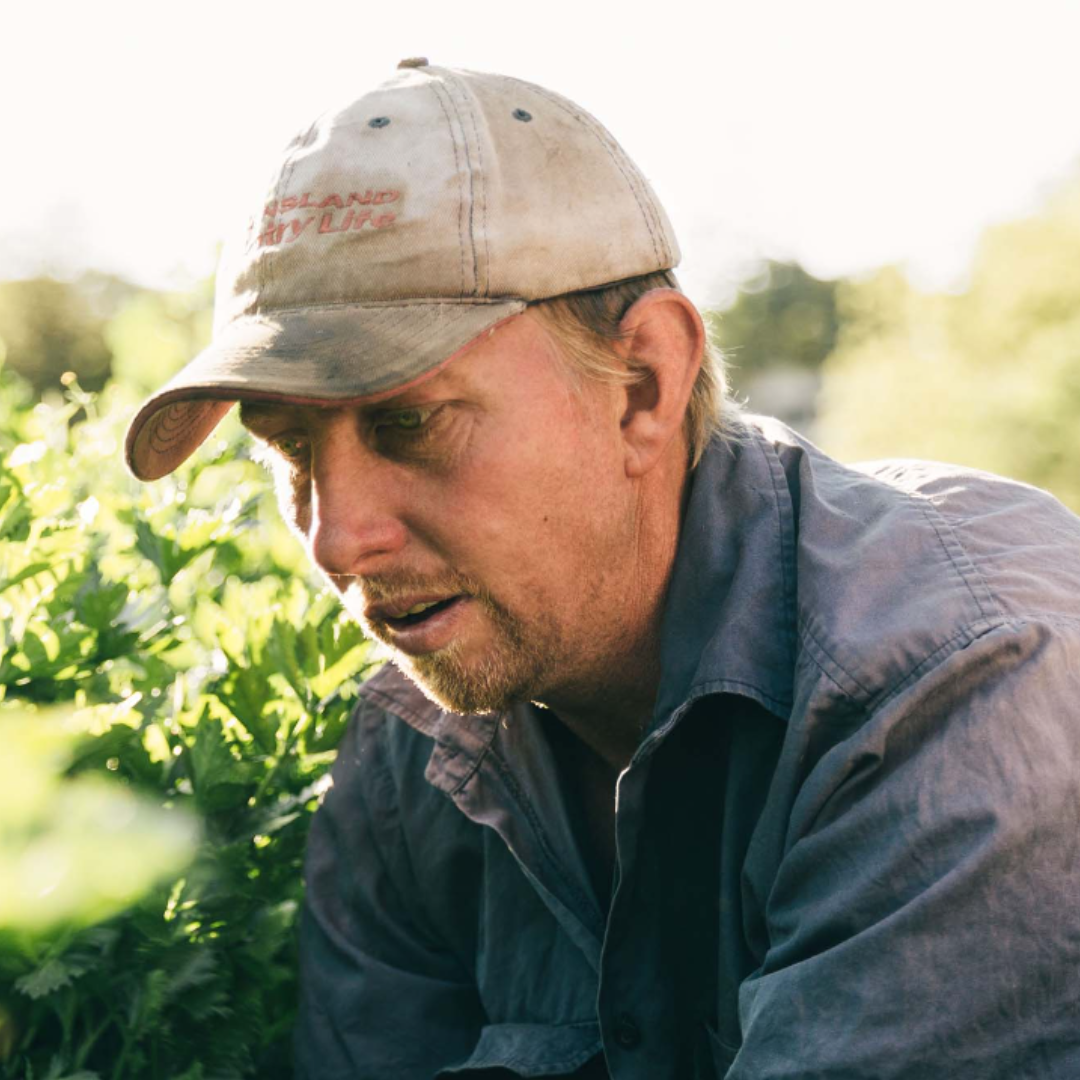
(342, 354)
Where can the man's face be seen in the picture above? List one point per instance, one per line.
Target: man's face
(480, 524)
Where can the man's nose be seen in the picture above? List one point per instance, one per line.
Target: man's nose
(356, 527)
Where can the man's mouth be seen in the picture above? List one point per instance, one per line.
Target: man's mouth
(410, 609)
(417, 625)
(419, 613)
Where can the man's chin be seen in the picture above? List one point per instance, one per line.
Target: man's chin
(490, 666)
(487, 686)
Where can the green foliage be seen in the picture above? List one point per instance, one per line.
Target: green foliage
(173, 687)
(989, 377)
(76, 850)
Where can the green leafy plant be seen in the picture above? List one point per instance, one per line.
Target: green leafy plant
(173, 688)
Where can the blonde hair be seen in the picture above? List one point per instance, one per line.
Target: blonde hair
(586, 326)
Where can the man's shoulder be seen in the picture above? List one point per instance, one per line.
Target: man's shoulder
(1016, 546)
(970, 494)
(900, 563)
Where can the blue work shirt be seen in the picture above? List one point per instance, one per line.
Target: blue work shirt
(848, 845)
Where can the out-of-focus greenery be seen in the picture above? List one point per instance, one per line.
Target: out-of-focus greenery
(173, 687)
(74, 851)
(99, 326)
(989, 377)
(48, 327)
(782, 318)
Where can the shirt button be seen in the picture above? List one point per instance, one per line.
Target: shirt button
(626, 1031)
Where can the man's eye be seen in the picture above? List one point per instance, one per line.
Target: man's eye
(291, 447)
(403, 420)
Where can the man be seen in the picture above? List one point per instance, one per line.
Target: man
(701, 755)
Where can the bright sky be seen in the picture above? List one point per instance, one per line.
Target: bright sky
(843, 134)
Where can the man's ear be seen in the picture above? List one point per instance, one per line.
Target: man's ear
(664, 336)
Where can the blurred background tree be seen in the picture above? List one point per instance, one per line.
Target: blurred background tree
(98, 326)
(988, 377)
(870, 366)
(782, 316)
(776, 335)
(48, 327)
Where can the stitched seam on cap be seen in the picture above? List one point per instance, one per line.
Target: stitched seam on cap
(600, 134)
(454, 92)
(403, 341)
(614, 152)
(439, 90)
(450, 89)
(483, 284)
(447, 88)
(629, 170)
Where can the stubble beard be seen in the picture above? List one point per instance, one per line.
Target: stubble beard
(514, 667)
(508, 672)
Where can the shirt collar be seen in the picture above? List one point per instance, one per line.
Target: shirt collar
(729, 617)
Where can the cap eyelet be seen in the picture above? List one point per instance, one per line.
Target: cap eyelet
(379, 122)
(522, 115)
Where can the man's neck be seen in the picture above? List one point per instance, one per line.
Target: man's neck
(611, 719)
(611, 711)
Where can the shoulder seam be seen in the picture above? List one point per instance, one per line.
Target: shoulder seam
(990, 614)
(965, 636)
(869, 700)
(956, 551)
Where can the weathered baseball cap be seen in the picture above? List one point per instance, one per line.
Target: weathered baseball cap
(397, 230)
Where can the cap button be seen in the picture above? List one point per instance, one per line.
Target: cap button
(413, 62)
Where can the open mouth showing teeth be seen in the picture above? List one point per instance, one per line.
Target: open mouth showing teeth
(420, 612)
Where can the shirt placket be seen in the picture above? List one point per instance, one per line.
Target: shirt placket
(658, 980)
